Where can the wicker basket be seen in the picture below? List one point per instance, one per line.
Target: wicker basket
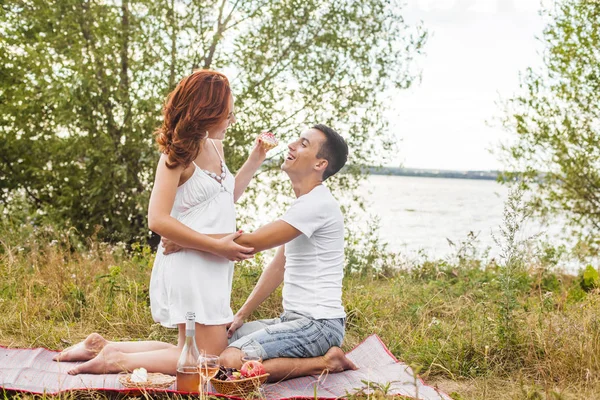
(155, 381)
(240, 387)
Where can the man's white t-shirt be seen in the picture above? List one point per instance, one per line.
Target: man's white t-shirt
(314, 261)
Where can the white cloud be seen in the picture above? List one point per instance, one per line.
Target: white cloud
(474, 56)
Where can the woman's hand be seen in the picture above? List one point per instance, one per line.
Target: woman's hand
(231, 250)
(170, 246)
(261, 147)
(259, 151)
(256, 158)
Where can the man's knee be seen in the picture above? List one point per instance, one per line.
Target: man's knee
(248, 328)
(231, 357)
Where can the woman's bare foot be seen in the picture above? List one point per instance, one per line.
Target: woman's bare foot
(83, 351)
(336, 361)
(107, 361)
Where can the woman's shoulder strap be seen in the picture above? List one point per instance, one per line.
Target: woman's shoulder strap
(216, 149)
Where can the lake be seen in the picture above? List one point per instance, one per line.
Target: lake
(421, 214)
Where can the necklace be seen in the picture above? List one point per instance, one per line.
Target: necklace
(218, 178)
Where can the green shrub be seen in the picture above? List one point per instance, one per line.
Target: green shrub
(589, 279)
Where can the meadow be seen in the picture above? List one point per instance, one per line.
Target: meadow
(477, 331)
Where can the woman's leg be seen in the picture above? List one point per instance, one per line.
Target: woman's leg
(111, 359)
(94, 343)
(212, 339)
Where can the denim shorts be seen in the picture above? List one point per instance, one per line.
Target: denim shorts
(291, 335)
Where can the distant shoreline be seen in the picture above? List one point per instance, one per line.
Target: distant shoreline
(434, 173)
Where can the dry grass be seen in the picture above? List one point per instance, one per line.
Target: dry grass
(441, 319)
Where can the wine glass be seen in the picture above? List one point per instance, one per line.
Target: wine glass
(208, 364)
(251, 352)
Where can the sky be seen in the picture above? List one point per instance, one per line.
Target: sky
(473, 57)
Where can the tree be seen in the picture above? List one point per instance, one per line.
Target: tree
(556, 153)
(83, 82)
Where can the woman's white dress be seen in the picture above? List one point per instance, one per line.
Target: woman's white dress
(191, 280)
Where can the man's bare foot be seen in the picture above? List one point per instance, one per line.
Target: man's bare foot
(106, 362)
(83, 351)
(336, 361)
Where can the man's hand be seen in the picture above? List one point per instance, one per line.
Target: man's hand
(170, 246)
(233, 251)
(238, 321)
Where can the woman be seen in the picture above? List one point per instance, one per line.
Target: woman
(193, 196)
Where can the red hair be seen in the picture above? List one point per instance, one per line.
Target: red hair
(198, 103)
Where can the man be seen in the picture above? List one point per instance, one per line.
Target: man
(305, 340)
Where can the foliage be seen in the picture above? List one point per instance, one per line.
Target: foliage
(82, 84)
(556, 153)
(364, 251)
(590, 279)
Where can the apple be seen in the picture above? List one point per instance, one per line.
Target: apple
(252, 368)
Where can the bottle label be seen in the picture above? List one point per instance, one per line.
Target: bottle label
(190, 325)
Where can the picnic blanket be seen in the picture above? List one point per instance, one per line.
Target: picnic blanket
(32, 370)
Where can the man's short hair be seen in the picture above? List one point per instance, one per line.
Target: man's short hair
(334, 149)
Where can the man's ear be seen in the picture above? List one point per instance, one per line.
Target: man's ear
(321, 165)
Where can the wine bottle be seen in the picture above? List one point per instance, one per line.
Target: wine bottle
(188, 373)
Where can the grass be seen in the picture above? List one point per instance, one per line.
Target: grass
(443, 318)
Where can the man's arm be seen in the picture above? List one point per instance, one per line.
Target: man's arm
(269, 280)
(266, 237)
(269, 236)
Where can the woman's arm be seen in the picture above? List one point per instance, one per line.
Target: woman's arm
(161, 222)
(245, 174)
